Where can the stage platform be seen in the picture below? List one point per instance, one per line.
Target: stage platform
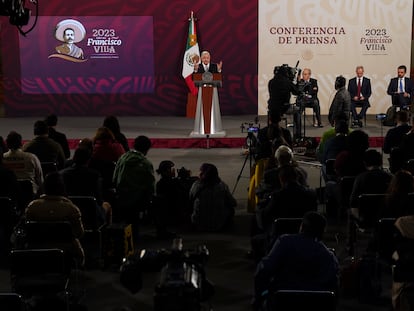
(174, 132)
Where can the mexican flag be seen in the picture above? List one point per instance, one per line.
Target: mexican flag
(191, 55)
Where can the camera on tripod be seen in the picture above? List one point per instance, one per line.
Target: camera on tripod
(182, 285)
(291, 72)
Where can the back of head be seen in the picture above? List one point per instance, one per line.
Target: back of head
(372, 157)
(358, 141)
(288, 174)
(54, 184)
(274, 117)
(313, 225)
(51, 120)
(112, 123)
(340, 82)
(103, 133)
(81, 156)
(401, 183)
(40, 128)
(284, 155)
(402, 116)
(165, 168)
(209, 174)
(86, 143)
(341, 127)
(14, 140)
(142, 144)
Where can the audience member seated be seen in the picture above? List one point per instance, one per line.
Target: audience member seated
(402, 293)
(337, 143)
(297, 261)
(170, 199)
(135, 183)
(55, 206)
(85, 143)
(271, 137)
(186, 181)
(350, 162)
(397, 201)
(395, 135)
(374, 180)
(8, 181)
(112, 123)
(291, 200)
(105, 147)
(25, 165)
(283, 157)
(51, 121)
(329, 134)
(46, 149)
(407, 144)
(213, 203)
(80, 180)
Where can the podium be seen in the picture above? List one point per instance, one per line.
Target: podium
(207, 121)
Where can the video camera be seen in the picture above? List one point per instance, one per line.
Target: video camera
(291, 72)
(183, 284)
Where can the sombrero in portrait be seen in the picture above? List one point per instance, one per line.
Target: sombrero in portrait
(77, 27)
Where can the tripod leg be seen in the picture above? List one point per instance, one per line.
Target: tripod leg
(241, 171)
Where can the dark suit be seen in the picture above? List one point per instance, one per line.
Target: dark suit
(365, 92)
(397, 98)
(211, 68)
(307, 98)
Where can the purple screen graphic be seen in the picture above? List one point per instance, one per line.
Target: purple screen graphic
(111, 54)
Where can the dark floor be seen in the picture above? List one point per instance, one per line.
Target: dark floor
(228, 267)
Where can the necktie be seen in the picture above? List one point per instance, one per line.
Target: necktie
(359, 88)
(205, 67)
(401, 86)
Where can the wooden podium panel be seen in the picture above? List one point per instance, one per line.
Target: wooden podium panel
(207, 117)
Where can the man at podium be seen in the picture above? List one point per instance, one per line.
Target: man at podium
(207, 77)
(206, 64)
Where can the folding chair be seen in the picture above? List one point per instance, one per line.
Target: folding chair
(25, 193)
(386, 233)
(299, 300)
(369, 206)
(92, 240)
(48, 167)
(53, 234)
(11, 302)
(8, 219)
(39, 272)
(283, 226)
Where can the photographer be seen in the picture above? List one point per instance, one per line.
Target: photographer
(281, 87)
(308, 97)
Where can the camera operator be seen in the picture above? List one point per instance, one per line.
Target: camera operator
(272, 136)
(281, 86)
(308, 97)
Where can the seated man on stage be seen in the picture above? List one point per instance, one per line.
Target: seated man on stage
(308, 97)
(401, 89)
(359, 88)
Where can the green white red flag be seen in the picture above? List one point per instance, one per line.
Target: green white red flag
(191, 55)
